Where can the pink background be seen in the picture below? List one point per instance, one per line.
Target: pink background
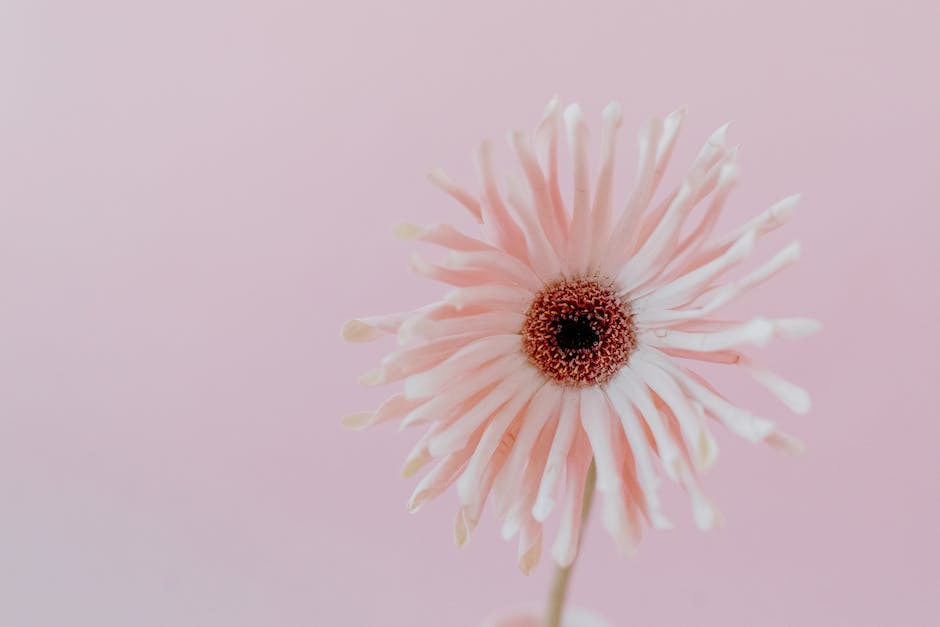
(195, 195)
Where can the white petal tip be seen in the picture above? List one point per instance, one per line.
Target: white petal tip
(552, 105)
(786, 443)
(797, 328)
(416, 502)
(358, 331)
(510, 527)
(801, 404)
(707, 517)
(788, 203)
(793, 251)
(707, 456)
(680, 112)
(542, 508)
(465, 491)
(613, 113)
(530, 559)
(408, 231)
(573, 114)
(457, 298)
(462, 529)
(563, 560)
(358, 421)
(373, 377)
(411, 467)
(720, 136)
(438, 177)
(415, 387)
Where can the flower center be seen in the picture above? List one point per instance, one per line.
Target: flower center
(579, 332)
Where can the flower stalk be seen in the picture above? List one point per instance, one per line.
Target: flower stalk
(559, 590)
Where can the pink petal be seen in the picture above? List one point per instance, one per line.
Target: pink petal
(545, 406)
(645, 471)
(624, 234)
(496, 218)
(414, 359)
(579, 242)
(503, 297)
(501, 264)
(495, 322)
(595, 419)
(565, 547)
(447, 403)
(439, 178)
(542, 255)
(601, 211)
(456, 276)
(469, 485)
(442, 476)
(568, 426)
(547, 137)
(539, 188)
(511, 385)
(464, 361)
(394, 408)
(442, 235)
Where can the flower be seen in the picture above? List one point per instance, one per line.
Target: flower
(568, 336)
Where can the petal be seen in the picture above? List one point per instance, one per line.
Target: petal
(645, 471)
(555, 464)
(414, 359)
(468, 486)
(493, 322)
(601, 210)
(519, 501)
(456, 276)
(627, 391)
(683, 289)
(440, 179)
(672, 125)
(442, 235)
(579, 242)
(419, 454)
(542, 255)
(538, 187)
(790, 394)
(545, 406)
(530, 545)
(679, 259)
(738, 420)
(462, 362)
(757, 332)
(373, 327)
(547, 139)
(568, 537)
(490, 295)
(510, 387)
(442, 476)
(666, 388)
(624, 233)
(595, 418)
(444, 405)
(394, 408)
(713, 299)
(496, 218)
(501, 263)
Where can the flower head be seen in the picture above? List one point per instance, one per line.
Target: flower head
(569, 334)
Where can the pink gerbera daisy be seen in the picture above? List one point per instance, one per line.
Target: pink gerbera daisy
(565, 341)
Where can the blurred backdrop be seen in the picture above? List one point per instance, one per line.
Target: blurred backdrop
(195, 195)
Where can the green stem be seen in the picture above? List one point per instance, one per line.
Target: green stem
(559, 590)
